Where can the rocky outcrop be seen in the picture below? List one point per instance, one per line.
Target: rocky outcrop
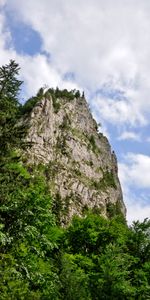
(80, 166)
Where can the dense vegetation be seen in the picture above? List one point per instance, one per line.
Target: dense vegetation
(93, 258)
(56, 94)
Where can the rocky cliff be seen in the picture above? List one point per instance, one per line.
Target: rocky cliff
(80, 166)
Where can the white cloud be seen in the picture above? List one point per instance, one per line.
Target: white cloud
(100, 42)
(134, 174)
(37, 70)
(137, 210)
(2, 2)
(135, 170)
(129, 135)
(119, 112)
(6, 50)
(103, 45)
(148, 139)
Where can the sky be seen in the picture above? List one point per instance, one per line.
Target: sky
(103, 48)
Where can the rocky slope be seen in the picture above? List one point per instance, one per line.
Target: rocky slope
(80, 166)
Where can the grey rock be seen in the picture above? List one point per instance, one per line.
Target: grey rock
(81, 164)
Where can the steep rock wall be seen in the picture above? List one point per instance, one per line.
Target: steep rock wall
(81, 168)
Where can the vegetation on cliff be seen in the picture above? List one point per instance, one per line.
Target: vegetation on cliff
(93, 258)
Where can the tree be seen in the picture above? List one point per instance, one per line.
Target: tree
(9, 106)
(139, 247)
(9, 84)
(28, 236)
(95, 250)
(139, 241)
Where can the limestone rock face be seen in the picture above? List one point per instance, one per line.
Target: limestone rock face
(80, 166)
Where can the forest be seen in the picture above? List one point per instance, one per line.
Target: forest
(92, 258)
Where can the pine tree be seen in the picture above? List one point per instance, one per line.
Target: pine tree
(9, 84)
(9, 104)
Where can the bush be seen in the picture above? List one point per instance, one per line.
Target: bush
(108, 180)
(29, 105)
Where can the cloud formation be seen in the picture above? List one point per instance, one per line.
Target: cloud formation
(135, 170)
(37, 70)
(129, 135)
(135, 180)
(100, 43)
(99, 47)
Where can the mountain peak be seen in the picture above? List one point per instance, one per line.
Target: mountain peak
(80, 166)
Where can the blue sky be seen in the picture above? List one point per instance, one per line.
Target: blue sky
(22, 36)
(103, 48)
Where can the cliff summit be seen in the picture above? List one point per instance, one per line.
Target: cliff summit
(81, 168)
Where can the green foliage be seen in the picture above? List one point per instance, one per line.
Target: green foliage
(56, 104)
(108, 180)
(93, 145)
(96, 258)
(70, 95)
(101, 251)
(10, 134)
(57, 94)
(74, 279)
(28, 106)
(93, 258)
(89, 163)
(61, 145)
(28, 235)
(65, 123)
(31, 102)
(139, 241)
(40, 92)
(92, 141)
(111, 210)
(97, 126)
(113, 275)
(9, 84)
(57, 207)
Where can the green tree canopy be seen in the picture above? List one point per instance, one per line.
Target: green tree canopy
(9, 83)
(94, 258)
(9, 107)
